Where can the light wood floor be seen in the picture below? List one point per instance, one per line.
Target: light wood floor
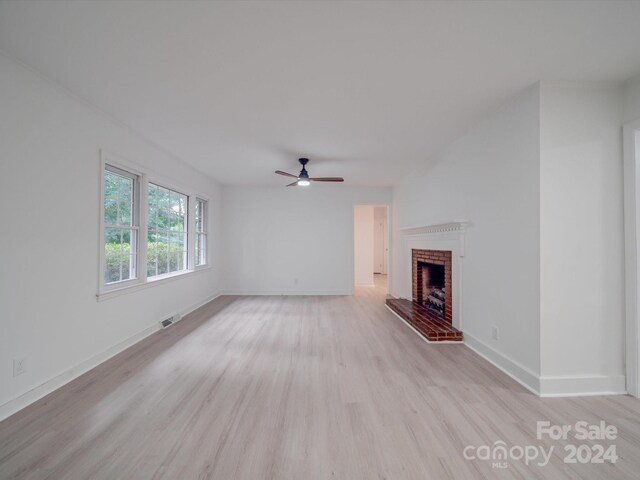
(297, 388)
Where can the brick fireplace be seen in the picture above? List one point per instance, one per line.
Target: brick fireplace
(431, 281)
(430, 311)
(429, 296)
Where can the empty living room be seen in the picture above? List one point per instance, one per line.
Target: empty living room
(316, 240)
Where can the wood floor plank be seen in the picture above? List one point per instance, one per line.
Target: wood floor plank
(297, 388)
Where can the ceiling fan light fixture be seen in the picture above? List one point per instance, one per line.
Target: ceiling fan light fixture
(303, 179)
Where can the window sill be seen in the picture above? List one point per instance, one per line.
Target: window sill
(152, 282)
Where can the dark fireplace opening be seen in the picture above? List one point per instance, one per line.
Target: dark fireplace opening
(433, 287)
(431, 283)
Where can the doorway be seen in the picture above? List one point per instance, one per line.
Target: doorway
(371, 246)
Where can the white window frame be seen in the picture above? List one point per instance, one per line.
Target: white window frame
(188, 266)
(116, 166)
(204, 232)
(144, 177)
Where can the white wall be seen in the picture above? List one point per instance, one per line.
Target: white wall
(296, 240)
(581, 239)
(363, 244)
(541, 182)
(49, 189)
(490, 176)
(380, 239)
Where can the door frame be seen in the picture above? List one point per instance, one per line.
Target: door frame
(385, 240)
(632, 252)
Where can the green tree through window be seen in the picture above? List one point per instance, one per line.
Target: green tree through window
(120, 226)
(167, 231)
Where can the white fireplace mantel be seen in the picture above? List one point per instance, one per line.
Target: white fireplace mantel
(440, 236)
(454, 226)
(453, 231)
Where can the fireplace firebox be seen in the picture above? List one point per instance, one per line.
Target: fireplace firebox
(433, 287)
(431, 281)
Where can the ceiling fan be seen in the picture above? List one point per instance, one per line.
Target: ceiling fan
(303, 179)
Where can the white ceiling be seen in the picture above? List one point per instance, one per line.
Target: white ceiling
(369, 91)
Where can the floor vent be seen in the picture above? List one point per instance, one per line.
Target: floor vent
(170, 320)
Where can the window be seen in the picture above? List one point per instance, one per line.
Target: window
(201, 232)
(121, 224)
(150, 233)
(167, 231)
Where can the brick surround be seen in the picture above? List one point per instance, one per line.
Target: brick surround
(436, 257)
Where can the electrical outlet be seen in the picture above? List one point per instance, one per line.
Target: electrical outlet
(494, 332)
(19, 366)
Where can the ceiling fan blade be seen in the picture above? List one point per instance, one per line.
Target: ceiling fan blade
(294, 184)
(327, 179)
(279, 172)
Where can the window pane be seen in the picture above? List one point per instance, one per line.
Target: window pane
(113, 237)
(163, 219)
(126, 266)
(118, 199)
(110, 211)
(200, 249)
(120, 217)
(112, 269)
(111, 190)
(152, 194)
(162, 258)
(175, 222)
(152, 222)
(163, 198)
(125, 202)
(151, 267)
(126, 242)
(119, 257)
(182, 261)
(172, 261)
(152, 258)
(201, 238)
(166, 231)
(177, 241)
(174, 202)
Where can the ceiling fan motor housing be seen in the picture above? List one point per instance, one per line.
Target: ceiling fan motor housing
(303, 173)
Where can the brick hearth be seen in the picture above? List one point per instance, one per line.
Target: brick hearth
(429, 324)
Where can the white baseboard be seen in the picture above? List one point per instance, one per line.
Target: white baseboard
(271, 293)
(520, 373)
(545, 386)
(35, 394)
(197, 305)
(16, 404)
(579, 386)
